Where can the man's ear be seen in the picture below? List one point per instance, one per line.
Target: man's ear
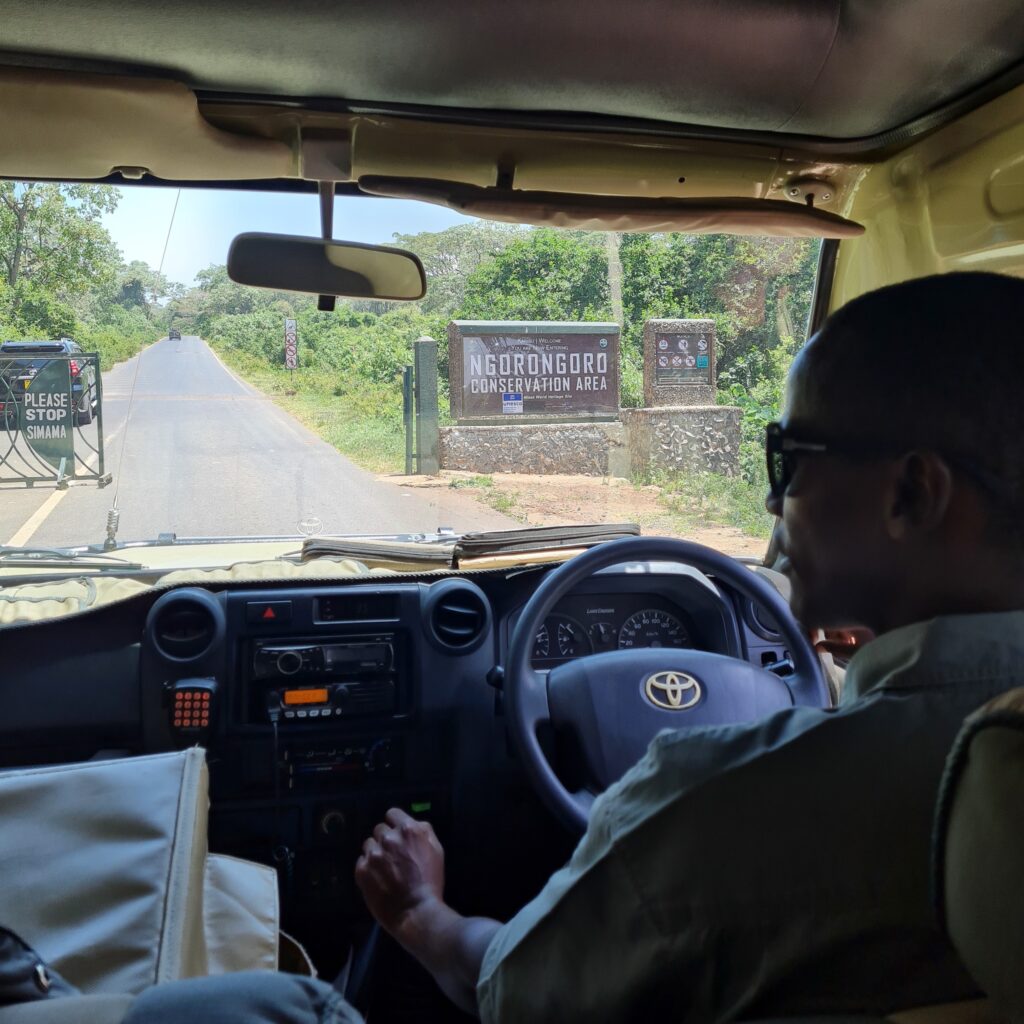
(922, 491)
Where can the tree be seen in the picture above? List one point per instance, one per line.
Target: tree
(544, 275)
(51, 236)
(654, 283)
(139, 284)
(756, 289)
(132, 293)
(40, 313)
(216, 295)
(612, 242)
(452, 256)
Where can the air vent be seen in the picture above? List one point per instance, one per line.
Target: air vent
(457, 615)
(459, 618)
(761, 622)
(185, 625)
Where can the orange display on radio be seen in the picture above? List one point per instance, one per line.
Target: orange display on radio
(305, 696)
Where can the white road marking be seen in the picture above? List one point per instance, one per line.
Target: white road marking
(34, 521)
(247, 388)
(297, 430)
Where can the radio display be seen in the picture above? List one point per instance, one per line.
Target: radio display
(318, 696)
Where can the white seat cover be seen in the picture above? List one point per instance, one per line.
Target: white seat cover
(103, 866)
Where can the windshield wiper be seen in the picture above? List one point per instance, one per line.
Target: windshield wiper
(541, 538)
(55, 558)
(447, 551)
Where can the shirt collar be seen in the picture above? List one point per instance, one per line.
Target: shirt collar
(941, 651)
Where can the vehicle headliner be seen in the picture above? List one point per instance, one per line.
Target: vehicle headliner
(819, 68)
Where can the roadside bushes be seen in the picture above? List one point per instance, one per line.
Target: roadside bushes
(757, 384)
(118, 335)
(115, 332)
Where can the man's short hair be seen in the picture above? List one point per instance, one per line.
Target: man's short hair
(935, 363)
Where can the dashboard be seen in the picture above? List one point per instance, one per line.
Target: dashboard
(321, 704)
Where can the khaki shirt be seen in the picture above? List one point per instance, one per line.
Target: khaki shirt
(774, 868)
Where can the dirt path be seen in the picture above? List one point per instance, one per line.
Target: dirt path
(569, 500)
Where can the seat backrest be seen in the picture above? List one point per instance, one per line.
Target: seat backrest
(978, 867)
(102, 866)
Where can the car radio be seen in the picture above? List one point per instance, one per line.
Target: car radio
(304, 682)
(276, 659)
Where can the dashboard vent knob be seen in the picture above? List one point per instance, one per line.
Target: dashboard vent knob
(185, 625)
(457, 615)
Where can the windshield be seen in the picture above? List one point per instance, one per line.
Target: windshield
(555, 377)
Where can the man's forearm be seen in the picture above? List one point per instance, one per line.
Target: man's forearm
(450, 946)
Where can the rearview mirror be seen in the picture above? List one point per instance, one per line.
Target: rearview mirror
(297, 264)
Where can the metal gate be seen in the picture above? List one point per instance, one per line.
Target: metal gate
(51, 417)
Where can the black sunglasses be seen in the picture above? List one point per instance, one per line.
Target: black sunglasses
(783, 452)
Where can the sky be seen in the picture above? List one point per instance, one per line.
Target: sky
(206, 221)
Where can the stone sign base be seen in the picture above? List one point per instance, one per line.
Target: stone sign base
(684, 438)
(590, 449)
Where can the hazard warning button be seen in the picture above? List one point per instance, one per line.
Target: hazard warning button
(268, 612)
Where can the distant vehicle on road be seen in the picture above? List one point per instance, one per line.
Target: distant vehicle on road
(20, 361)
(173, 334)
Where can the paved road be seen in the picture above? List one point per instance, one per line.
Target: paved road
(203, 454)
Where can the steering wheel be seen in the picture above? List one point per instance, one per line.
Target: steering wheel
(616, 702)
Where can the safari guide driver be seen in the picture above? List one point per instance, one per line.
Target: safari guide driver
(781, 867)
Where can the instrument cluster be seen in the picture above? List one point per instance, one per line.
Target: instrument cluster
(595, 623)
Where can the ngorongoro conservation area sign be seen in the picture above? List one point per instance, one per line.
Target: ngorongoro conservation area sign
(509, 370)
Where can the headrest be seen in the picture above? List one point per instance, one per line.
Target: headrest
(978, 849)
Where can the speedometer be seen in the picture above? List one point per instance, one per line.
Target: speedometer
(653, 628)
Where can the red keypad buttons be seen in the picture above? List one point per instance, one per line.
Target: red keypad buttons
(191, 709)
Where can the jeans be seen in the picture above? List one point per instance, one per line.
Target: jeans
(251, 997)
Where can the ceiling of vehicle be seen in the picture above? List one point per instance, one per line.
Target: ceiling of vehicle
(822, 68)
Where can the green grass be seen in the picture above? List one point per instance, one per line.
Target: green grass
(375, 442)
(472, 481)
(495, 497)
(364, 424)
(707, 499)
(501, 501)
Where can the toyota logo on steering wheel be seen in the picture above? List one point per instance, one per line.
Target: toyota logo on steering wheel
(672, 691)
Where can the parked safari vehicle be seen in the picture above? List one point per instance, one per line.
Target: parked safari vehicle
(20, 361)
(363, 660)
(174, 334)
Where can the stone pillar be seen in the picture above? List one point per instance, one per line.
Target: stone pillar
(424, 354)
(687, 439)
(681, 429)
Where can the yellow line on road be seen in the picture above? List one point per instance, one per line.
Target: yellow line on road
(38, 517)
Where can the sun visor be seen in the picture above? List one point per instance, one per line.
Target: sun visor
(733, 216)
(107, 122)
